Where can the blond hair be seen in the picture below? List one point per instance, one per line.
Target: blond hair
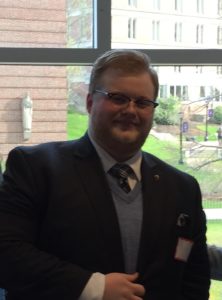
(126, 61)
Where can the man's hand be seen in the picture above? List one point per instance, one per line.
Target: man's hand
(120, 286)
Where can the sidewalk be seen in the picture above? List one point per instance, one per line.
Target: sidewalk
(213, 213)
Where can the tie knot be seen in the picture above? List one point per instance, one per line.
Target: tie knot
(121, 171)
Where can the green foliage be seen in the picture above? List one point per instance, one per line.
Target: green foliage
(166, 150)
(167, 113)
(76, 125)
(217, 117)
(209, 203)
(212, 131)
(214, 237)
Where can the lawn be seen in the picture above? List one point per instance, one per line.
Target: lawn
(214, 236)
(212, 131)
(168, 151)
(76, 125)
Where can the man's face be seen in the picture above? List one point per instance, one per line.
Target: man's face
(121, 127)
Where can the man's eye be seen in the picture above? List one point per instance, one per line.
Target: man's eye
(143, 103)
(119, 99)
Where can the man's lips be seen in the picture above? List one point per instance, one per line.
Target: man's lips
(126, 123)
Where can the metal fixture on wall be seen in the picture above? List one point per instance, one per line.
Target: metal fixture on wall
(27, 107)
(181, 138)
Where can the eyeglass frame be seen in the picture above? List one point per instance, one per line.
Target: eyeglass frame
(145, 103)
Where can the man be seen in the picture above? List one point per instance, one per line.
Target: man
(215, 256)
(97, 218)
(219, 135)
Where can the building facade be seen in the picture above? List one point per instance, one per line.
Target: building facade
(32, 24)
(173, 24)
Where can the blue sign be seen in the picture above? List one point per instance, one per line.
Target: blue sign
(210, 112)
(185, 126)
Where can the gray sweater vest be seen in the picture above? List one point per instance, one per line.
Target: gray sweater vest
(129, 210)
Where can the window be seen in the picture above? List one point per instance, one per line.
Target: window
(156, 4)
(155, 30)
(199, 34)
(219, 7)
(132, 3)
(177, 69)
(199, 69)
(178, 32)
(202, 91)
(185, 92)
(172, 89)
(219, 70)
(200, 6)
(187, 82)
(163, 91)
(34, 46)
(178, 92)
(219, 35)
(178, 5)
(132, 28)
(181, 92)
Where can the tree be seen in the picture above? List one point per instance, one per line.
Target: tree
(217, 117)
(167, 113)
(79, 23)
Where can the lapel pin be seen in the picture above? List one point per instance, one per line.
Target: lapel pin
(156, 177)
(182, 220)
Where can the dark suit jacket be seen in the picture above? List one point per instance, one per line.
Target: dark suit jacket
(58, 225)
(215, 257)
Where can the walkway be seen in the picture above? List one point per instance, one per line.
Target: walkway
(213, 213)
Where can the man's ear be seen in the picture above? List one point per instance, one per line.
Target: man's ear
(89, 102)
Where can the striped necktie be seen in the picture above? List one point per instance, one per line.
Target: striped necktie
(121, 172)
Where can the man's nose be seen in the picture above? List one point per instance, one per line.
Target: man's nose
(131, 105)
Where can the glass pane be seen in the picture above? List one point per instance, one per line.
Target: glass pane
(80, 23)
(184, 132)
(185, 136)
(77, 118)
(51, 24)
(167, 24)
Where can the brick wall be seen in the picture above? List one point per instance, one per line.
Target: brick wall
(31, 23)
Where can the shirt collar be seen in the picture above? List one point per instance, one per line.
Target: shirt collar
(108, 161)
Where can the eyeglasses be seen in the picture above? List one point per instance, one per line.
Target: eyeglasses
(122, 99)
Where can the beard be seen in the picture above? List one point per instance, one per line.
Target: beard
(119, 141)
(120, 137)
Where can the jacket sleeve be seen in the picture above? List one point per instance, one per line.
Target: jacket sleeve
(196, 278)
(25, 269)
(215, 256)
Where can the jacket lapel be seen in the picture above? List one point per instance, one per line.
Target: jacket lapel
(92, 175)
(154, 210)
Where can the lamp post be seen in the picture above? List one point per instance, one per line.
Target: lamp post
(206, 121)
(181, 138)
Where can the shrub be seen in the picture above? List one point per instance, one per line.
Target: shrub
(217, 117)
(167, 113)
